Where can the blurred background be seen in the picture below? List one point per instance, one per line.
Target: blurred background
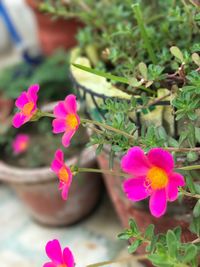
(34, 48)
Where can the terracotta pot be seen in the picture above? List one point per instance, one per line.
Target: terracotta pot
(6, 106)
(38, 190)
(54, 34)
(140, 212)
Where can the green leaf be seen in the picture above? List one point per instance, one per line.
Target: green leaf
(102, 74)
(177, 53)
(171, 243)
(124, 236)
(197, 134)
(143, 70)
(190, 183)
(99, 149)
(177, 231)
(134, 246)
(192, 156)
(149, 232)
(196, 59)
(190, 253)
(195, 226)
(173, 142)
(134, 82)
(133, 226)
(196, 210)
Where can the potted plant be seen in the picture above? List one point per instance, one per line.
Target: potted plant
(57, 33)
(152, 160)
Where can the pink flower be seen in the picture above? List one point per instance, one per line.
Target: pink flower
(152, 175)
(58, 257)
(67, 120)
(20, 143)
(63, 172)
(27, 104)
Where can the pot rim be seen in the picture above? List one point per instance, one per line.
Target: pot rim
(17, 175)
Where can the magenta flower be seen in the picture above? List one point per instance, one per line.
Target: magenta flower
(27, 104)
(63, 172)
(20, 143)
(151, 175)
(67, 120)
(58, 257)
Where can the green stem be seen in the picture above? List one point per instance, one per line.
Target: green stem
(108, 127)
(47, 114)
(114, 173)
(128, 259)
(188, 194)
(140, 21)
(189, 168)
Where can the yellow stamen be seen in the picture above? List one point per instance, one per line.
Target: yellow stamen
(63, 175)
(157, 178)
(28, 108)
(23, 146)
(62, 265)
(71, 121)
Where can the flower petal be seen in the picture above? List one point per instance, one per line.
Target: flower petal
(158, 202)
(59, 155)
(21, 100)
(32, 92)
(70, 104)
(135, 189)
(58, 161)
(161, 158)
(65, 190)
(67, 138)
(18, 120)
(135, 162)
(175, 180)
(59, 126)
(60, 110)
(68, 257)
(54, 252)
(49, 264)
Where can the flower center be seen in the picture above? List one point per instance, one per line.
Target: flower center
(23, 146)
(62, 265)
(63, 175)
(71, 121)
(28, 108)
(157, 178)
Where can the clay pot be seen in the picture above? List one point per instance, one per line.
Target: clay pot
(126, 209)
(38, 190)
(54, 34)
(6, 106)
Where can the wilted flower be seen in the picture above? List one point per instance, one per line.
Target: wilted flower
(67, 120)
(27, 104)
(152, 175)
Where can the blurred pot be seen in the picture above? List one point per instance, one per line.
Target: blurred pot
(38, 190)
(54, 34)
(177, 214)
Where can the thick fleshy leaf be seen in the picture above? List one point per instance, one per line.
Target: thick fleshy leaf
(54, 252)
(21, 100)
(59, 126)
(135, 189)
(18, 120)
(158, 202)
(135, 162)
(60, 110)
(33, 92)
(161, 158)
(67, 138)
(70, 104)
(68, 257)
